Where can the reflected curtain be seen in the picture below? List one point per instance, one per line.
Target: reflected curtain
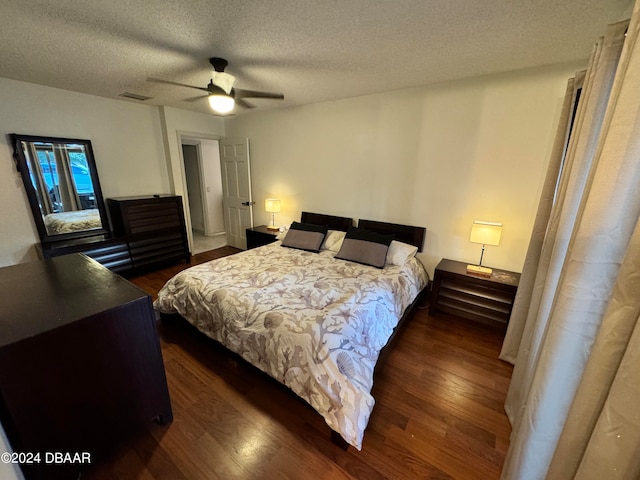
(573, 395)
(40, 186)
(66, 185)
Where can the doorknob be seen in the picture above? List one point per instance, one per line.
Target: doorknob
(248, 204)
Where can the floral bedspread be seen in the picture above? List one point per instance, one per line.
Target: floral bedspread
(314, 323)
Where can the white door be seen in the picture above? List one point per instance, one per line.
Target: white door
(236, 189)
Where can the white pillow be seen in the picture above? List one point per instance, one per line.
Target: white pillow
(399, 253)
(333, 240)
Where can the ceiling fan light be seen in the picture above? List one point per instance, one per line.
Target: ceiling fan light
(221, 103)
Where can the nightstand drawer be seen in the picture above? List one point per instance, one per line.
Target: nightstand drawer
(484, 299)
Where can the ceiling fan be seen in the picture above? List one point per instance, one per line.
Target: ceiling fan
(221, 93)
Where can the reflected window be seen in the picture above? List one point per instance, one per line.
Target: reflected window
(76, 174)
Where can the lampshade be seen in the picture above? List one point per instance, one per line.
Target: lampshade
(272, 205)
(486, 233)
(221, 103)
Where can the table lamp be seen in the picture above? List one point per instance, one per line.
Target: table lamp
(486, 233)
(272, 205)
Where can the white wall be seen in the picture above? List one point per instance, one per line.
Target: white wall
(178, 123)
(438, 156)
(126, 137)
(136, 148)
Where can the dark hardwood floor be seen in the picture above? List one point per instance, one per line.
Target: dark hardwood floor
(438, 415)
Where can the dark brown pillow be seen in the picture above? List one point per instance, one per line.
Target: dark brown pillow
(363, 246)
(305, 236)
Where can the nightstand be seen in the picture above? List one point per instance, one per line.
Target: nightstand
(484, 299)
(259, 236)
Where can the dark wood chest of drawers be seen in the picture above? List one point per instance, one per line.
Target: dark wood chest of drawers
(484, 299)
(80, 362)
(154, 228)
(148, 233)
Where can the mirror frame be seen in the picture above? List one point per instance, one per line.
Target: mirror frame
(21, 165)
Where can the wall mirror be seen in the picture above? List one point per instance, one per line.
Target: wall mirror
(62, 185)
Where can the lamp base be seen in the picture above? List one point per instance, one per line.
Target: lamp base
(478, 270)
(272, 227)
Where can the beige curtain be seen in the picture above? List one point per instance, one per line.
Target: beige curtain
(533, 261)
(573, 396)
(40, 186)
(66, 185)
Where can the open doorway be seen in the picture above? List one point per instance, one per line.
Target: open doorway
(201, 159)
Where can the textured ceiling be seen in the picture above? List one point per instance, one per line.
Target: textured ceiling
(309, 50)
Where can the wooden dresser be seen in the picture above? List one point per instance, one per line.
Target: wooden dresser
(148, 233)
(80, 361)
(153, 227)
(111, 252)
(484, 299)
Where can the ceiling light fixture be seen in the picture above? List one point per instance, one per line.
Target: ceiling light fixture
(221, 103)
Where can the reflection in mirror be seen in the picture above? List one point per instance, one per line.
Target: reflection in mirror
(62, 185)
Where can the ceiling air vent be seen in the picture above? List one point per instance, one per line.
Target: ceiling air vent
(135, 96)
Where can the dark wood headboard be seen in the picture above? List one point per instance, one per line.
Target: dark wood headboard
(333, 222)
(403, 233)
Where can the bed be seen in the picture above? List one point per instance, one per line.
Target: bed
(68, 222)
(314, 322)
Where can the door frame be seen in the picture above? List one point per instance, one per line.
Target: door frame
(179, 185)
(203, 201)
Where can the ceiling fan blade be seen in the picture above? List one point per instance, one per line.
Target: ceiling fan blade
(242, 93)
(195, 99)
(169, 82)
(244, 103)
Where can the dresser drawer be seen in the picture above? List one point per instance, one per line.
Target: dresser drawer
(157, 250)
(154, 228)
